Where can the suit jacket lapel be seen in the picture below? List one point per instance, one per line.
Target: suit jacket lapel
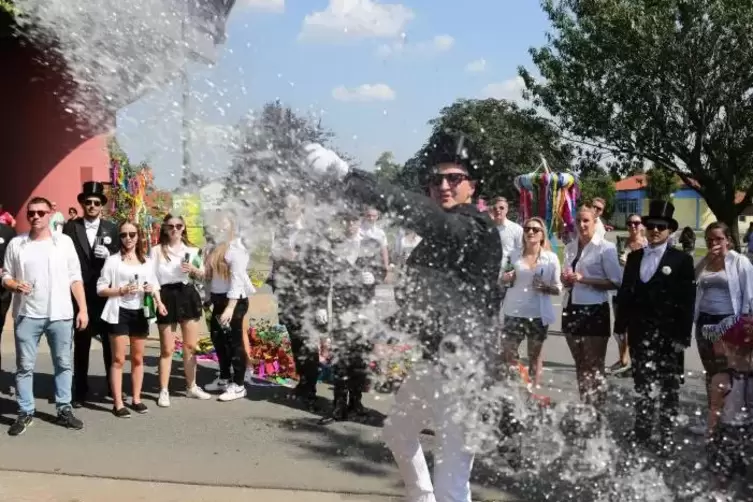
(664, 261)
(83, 240)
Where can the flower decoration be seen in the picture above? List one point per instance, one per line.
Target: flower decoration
(666, 270)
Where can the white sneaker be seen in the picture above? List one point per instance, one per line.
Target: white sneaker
(196, 392)
(219, 385)
(233, 392)
(164, 399)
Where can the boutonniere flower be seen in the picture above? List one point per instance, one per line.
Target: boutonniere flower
(2, 241)
(107, 240)
(666, 270)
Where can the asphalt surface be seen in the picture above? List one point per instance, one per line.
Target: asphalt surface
(207, 450)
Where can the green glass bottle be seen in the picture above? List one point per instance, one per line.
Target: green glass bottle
(150, 312)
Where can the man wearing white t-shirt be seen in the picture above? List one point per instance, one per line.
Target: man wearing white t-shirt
(510, 232)
(370, 230)
(42, 270)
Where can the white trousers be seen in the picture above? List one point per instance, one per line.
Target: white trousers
(420, 402)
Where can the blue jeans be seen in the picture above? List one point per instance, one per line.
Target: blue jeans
(59, 338)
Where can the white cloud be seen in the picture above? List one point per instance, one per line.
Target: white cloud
(276, 6)
(357, 19)
(476, 66)
(440, 43)
(510, 89)
(363, 93)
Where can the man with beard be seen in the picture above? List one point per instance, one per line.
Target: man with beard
(95, 240)
(655, 305)
(448, 300)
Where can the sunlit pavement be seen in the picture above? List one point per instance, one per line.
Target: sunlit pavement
(261, 442)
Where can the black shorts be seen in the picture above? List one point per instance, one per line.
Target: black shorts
(182, 302)
(587, 320)
(516, 329)
(130, 322)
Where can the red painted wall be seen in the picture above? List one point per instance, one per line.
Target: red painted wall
(43, 150)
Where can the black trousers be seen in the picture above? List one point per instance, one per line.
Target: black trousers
(82, 341)
(228, 341)
(6, 298)
(350, 374)
(656, 365)
(305, 355)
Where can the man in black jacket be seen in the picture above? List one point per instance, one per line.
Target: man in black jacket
(95, 239)
(655, 306)
(448, 299)
(6, 297)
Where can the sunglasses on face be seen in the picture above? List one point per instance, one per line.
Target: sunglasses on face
(598, 208)
(634, 223)
(130, 235)
(176, 226)
(93, 202)
(535, 230)
(453, 179)
(39, 214)
(661, 227)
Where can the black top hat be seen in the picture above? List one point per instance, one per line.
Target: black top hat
(661, 210)
(92, 189)
(452, 147)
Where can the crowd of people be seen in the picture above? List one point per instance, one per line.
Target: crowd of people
(469, 286)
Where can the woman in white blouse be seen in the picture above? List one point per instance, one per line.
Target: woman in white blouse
(229, 286)
(528, 308)
(177, 265)
(125, 278)
(591, 271)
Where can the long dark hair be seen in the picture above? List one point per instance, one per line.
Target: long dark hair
(140, 241)
(164, 236)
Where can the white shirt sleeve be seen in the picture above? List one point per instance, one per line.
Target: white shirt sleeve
(72, 262)
(152, 272)
(611, 264)
(105, 276)
(556, 280)
(238, 258)
(11, 259)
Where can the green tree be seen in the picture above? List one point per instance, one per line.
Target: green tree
(598, 184)
(509, 140)
(660, 183)
(386, 167)
(662, 80)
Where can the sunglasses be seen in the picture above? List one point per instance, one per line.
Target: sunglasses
(130, 235)
(598, 208)
(634, 223)
(177, 226)
(39, 214)
(535, 230)
(93, 202)
(453, 179)
(656, 226)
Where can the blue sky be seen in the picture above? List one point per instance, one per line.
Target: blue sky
(376, 72)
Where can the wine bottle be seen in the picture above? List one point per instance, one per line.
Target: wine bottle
(150, 312)
(187, 258)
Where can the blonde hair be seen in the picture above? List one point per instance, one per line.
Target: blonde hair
(587, 209)
(544, 239)
(216, 264)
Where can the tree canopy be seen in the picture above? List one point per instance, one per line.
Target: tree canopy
(510, 141)
(665, 81)
(660, 183)
(386, 168)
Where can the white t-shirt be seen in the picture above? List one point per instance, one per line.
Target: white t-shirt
(521, 299)
(128, 273)
(36, 271)
(511, 235)
(169, 272)
(376, 233)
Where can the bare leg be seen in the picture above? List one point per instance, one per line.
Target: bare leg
(190, 332)
(137, 366)
(167, 347)
(118, 347)
(535, 360)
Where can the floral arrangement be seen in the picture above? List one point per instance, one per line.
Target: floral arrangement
(270, 353)
(390, 364)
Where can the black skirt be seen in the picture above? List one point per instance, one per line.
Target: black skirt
(130, 322)
(586, 320)
(182, 302)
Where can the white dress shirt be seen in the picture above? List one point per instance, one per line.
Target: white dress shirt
(601, 230)
(110, 277)
(92, 227)
(650, 262)
(522, 300)
(511, 235)
(598, 260)
(238, 286)
(168, 271)
(64, 269)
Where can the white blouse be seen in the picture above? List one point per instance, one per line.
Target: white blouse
(112, 276)
(239, 285)
(168, 269)
(522, 300)
(598, 260)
